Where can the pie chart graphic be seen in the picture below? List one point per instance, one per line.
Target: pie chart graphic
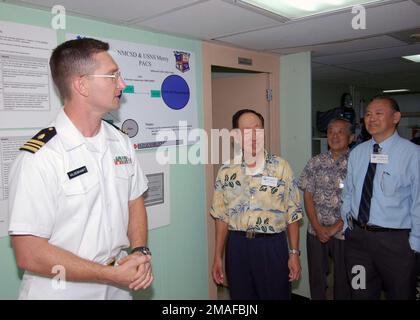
(175, 92)
(130, 127)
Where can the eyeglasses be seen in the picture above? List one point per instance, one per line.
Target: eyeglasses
(116, 75)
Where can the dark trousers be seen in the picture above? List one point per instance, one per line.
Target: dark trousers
(388, 262)
(258, 268)
(318, 256)
(418, 263)
(418, 276)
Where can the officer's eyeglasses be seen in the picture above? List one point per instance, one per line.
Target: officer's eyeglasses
(115, 76)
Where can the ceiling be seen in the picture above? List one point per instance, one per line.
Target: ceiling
(369, 57)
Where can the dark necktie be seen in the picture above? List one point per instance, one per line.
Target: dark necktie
(367, 190)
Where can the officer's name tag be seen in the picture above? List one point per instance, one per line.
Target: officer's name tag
(379, 158)
(77, 172)
(269, 181)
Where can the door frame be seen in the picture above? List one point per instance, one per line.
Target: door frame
(225, 56)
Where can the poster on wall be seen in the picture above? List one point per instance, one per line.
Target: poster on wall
(27, 94)
(10, 142)
(159, 102)
(156, 198)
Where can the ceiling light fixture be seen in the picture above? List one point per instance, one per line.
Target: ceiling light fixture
(294, 9)
(414, 58)
(395, 90)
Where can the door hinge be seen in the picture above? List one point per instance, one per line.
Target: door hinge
(269, 94)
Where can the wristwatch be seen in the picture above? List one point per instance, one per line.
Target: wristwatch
(294, 251)
(145, 250)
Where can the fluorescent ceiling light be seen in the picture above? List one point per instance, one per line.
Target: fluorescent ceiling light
(415, 58)
(395, 90)
(294, 9)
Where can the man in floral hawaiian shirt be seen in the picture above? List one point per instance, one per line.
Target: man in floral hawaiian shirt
(322, 183)
(255, 201)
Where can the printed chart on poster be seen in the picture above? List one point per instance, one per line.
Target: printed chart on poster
(27, 95)
(156, 198)
(159, 103)
(10, 142)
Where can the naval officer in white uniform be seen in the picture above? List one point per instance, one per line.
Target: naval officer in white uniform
(76, 190)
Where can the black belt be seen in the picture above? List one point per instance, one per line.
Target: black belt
(372, 228)
(253, 234)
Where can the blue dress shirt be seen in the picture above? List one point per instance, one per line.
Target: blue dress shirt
(396, 187)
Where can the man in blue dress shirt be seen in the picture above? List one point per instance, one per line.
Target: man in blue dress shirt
(381, 208)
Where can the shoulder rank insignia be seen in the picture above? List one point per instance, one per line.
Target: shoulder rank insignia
(114, 126)
(39, 140)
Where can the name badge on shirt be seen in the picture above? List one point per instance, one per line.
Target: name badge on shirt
(379, 158)
(77, 172)
(269, 181)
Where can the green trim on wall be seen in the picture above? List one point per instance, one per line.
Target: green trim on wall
(295, 133)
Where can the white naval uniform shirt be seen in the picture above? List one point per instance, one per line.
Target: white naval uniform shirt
(87, 214)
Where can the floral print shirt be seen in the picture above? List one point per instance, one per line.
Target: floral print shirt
(249, 202)
(324, 178)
